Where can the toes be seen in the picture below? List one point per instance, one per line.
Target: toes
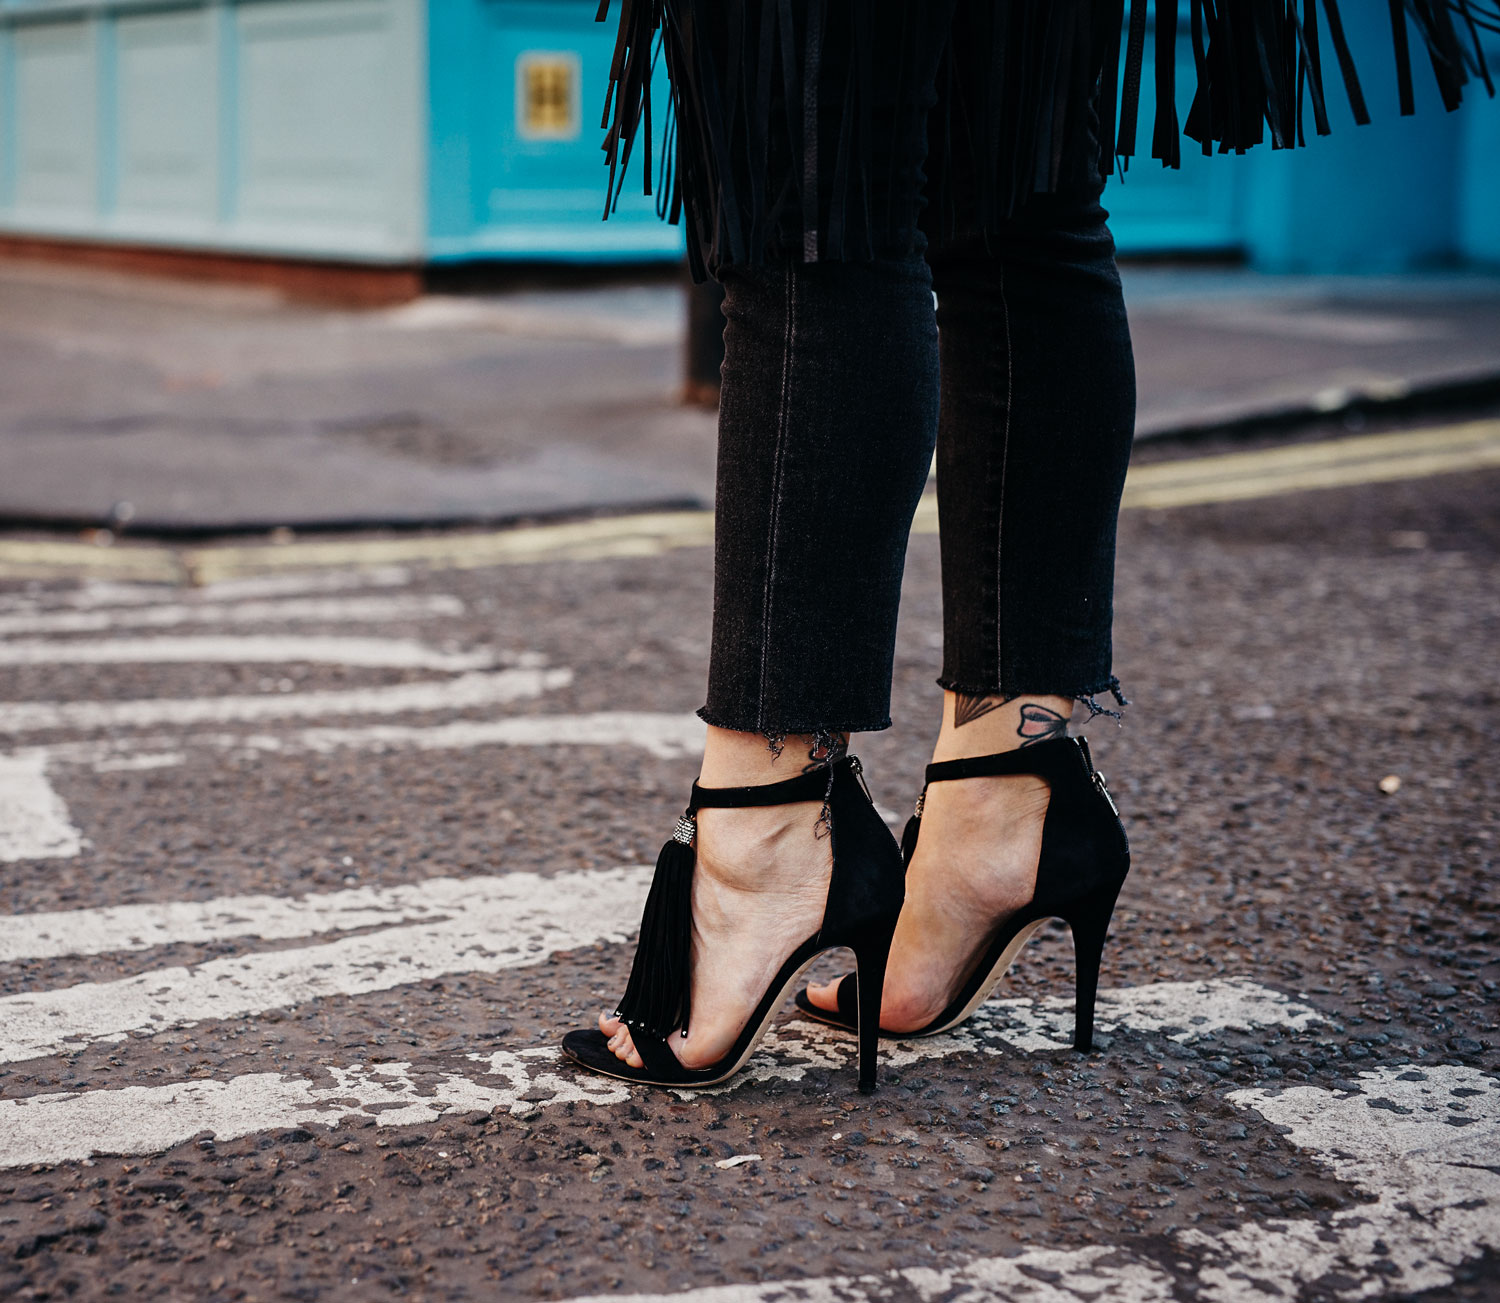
(609, 1024)
(826, 995)
(623, 1048)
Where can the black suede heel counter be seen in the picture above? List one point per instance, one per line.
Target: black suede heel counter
(1084, 844)
(869, 879)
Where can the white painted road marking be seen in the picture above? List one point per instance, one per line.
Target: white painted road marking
(1423, 1141)
(149, 1119)
(465, 692)
(1435, 1186)
(51, 1128)
(34, 822)
(666, 735)
(276, 649)
(119, 928)
(96, 593)
(518, 919)
(298, 610)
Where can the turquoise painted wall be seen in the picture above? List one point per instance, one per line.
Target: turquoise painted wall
(283, 126)
(1397, 194)
(368, 130)
(1479, 176)
(493, 188)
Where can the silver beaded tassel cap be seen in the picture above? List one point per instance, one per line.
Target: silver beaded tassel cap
(686, 830)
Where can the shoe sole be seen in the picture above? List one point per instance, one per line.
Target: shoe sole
(986, 989)
(749, 1050)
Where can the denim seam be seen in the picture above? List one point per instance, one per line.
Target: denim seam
(1000, 497)
(767, 602)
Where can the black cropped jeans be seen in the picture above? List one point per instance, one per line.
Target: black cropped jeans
(839, 379)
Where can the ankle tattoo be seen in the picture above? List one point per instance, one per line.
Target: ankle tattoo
(1040, 724)
(967, 708)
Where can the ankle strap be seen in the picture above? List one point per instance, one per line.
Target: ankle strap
(811, 786)
(1039, 758)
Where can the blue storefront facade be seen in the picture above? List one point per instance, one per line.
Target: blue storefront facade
(418, 132)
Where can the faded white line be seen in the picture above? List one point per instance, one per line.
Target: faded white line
(1421, 1140)
(54, 1128)
(462, 693)
(56, 933)
(309, 581)
(148, 1119)
(34, 822)
(95, 593)
(293, 610)
(34, 805)
(664, 735)
(140, 761)
(1181, 1011)
(392, 653)
(1184, 1011)
(1035, 1276)
(520, 921)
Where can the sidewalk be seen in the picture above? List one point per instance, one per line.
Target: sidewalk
(179, 408)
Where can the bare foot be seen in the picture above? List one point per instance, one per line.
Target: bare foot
(760, 886)
(974, 866)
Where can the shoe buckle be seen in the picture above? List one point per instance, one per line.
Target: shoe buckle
(858, 770)
(1104, 792)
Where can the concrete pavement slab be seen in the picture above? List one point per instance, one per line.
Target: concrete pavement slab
(168, 407)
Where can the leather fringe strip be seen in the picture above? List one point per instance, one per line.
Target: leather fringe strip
(752, 98)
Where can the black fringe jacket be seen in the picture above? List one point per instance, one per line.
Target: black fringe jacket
(1259, 67)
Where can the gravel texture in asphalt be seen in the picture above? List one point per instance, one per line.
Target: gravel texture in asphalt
(359, 1096)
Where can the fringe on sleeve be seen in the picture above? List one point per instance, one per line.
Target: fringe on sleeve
(748, 78)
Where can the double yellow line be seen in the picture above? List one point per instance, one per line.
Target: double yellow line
(1194, 481)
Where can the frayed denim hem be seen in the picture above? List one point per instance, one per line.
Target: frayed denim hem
(822, 734)
(1087, 696)
(789, 730)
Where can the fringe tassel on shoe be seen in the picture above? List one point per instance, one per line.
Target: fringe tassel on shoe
(658, 996)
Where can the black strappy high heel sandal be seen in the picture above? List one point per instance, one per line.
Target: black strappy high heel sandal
(865, 894)
(1085, 858)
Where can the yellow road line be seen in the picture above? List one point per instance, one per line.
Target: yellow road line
(21, 558)
(585, 540)
(1230, 477)
(1335, 463)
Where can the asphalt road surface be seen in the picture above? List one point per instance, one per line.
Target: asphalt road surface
(306, 868)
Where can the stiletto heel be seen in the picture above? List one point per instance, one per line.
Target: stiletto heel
(1090, 926)
(865, 893)
(1084, 860)
(869, 966)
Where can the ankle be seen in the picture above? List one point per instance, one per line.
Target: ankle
(765, 849)
(985, 725)
(974, 804)
(736, 759)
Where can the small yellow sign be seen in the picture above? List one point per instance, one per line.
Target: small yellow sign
(547, 95)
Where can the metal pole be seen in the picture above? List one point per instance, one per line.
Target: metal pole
(705, 343)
